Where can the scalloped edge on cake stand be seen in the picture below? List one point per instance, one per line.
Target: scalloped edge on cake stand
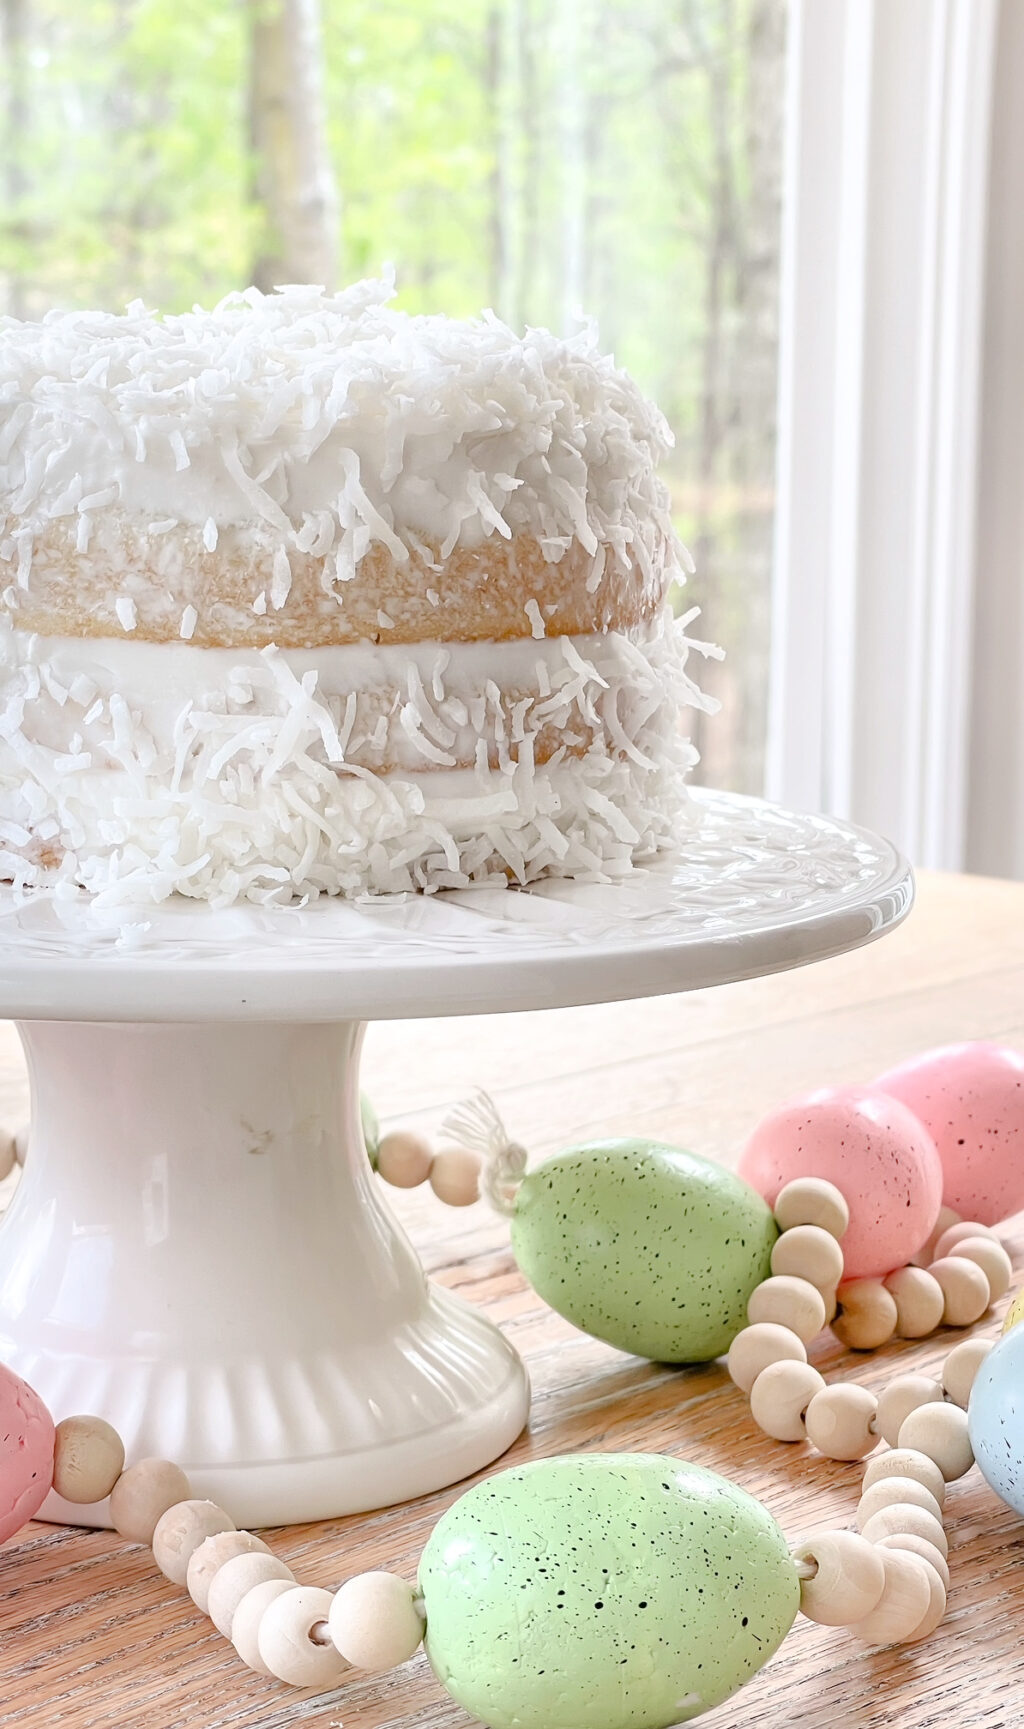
(197, 1250)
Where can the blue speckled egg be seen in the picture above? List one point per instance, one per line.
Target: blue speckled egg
(996, 1418)
(646, 1246)
(604, 1591)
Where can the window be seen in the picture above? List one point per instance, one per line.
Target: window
(551, 158)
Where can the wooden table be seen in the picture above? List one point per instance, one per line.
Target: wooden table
(90, 1634)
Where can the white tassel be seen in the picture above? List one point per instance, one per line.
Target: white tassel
(476, 1125)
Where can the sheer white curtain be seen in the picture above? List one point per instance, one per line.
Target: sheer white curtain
(879, 585)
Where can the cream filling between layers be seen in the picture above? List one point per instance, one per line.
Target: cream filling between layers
(139, 769)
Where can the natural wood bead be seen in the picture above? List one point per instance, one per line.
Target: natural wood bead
(180, 1531)
(404, 1159)
(905, 1516)
(899, 1398)
(211, 1555)
(867, 1314)
(455, 1176)
(958, 1233)
(903, 1462)
(755, 1347)
(926, 1252)
(965, 1289)
(936, 1607)
(991, 1257)
(284, 1639)
(960, 1368)
(142, 1495)
(8, 1154)
(896, 1491)
(811, 1201)
(21, 1140)
(245, 1622)
(840, 1421)
(781, 1395)
(808, 1252)
(791, 1303)
(374, 1621)
(236, 1579)
(918, 1546)
(941, 1432)
(905, 1601)
(831, 1302)
(848, 1581)
(88, 1458)
(919, 1302)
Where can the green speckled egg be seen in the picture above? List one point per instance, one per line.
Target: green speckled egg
(648, 1247)
(605, 1591)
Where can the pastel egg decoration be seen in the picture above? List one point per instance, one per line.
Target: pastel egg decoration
(603, 1591)
(26, 1453)
(970, 1098)
(1015, 1313)
(645, 1246)
(995, 1418)
(877, 1154)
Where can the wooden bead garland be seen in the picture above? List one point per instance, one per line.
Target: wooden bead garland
(867, 1314)
(287, 1643)
(843, 1578)
(960, 1368)
(920, 1302)
(406, 1160)
(780, 1396)
(922, 1419)
(893, 1492)
(143, 1494)
(235, 1579)
(214, 1553)
(903, 1462)
(756, 1346)
(918, 1546)
(911, 1301)
(840, 1422)
(789, 1302)
(887, 1581)
(180, 1531)
(899, 1398)
(88, 1458)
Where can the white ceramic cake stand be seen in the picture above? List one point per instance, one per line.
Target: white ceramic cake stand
(198, 1250)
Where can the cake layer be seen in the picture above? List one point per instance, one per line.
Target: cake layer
(139, 769)
(323, 463)
(164, 584)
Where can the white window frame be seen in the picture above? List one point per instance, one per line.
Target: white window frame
(882, 308)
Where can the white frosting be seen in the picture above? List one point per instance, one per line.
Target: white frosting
(328, 422)
(148, 769)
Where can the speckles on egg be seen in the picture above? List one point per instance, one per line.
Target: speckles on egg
(26, 1453)
(646, 1246)
(877, 1154)
(970, 1098)
(995, 1417)
(603, 1592)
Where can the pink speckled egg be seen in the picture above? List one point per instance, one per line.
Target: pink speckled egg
(26, 1453)
(970, 1098)
(874, 1150)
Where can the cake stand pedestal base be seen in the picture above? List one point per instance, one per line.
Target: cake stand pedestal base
(197, 1251)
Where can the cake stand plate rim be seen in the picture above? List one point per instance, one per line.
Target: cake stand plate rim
(755, 888)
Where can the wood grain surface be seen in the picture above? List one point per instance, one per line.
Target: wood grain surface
(91, 1635)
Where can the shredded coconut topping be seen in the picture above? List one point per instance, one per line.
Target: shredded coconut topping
(331, 421)
(225, 775)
